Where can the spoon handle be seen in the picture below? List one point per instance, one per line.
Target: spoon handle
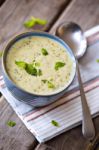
(88, 129)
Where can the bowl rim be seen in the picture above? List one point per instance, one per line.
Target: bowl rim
(42, 34)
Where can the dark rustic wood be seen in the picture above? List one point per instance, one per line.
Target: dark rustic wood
(83, 12)
(12, 15)
(44, 147)
(73, 139)
(86, 14)
(13, 138)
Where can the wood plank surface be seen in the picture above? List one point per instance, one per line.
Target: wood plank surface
(83, 12)
(13, 13)
(13, 138)
(86, 14)
(73, 139)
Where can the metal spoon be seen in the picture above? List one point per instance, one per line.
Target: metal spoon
(73, 35)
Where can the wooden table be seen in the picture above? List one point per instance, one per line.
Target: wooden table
(12, 15)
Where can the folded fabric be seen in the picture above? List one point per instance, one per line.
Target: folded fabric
(66, 111)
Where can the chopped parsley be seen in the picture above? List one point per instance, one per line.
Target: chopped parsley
(49, 83)
(21, 64)
(41, 21)
(44, 51)
(29, 68)
(59, 65)
(97, 60)
(29, 23)
(37, 64)
(11, 123)
(39, 72)
(44, 81)
(33, 21)
(55, 123)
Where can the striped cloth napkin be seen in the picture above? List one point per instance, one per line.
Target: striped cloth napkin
(66, 111)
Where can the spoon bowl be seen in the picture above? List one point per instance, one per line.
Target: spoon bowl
(74, 37)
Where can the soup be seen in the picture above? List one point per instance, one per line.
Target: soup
(39, 65)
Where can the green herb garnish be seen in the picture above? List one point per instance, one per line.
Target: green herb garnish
(44, 81)
(33, 21)
(11, 123)
(39, 72)
(59, 65)
(29, 23)
(31, 70)
(50, 84)
(41, 21)
(54, 123)
(21, 64)
(1, 54)
(97, 60)
(37, 64)
(44, 51)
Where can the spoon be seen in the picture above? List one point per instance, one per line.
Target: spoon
(73, 35)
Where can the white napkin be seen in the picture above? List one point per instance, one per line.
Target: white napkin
(67, 111)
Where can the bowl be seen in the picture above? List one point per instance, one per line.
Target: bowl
(36, 100)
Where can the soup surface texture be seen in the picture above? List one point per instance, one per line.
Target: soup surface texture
(39, 65)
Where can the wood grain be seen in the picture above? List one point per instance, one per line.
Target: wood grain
(86, 14)
(13, 138)
(73, 139)
(13, 13)
(83, 12)
(44, 147)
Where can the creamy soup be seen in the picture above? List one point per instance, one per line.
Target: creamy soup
(39, 65)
